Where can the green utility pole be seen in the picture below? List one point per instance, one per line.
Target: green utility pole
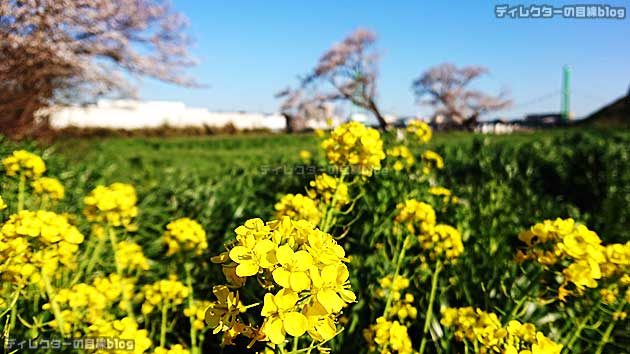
(566, 92)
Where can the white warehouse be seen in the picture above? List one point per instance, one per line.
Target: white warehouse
(131, 114)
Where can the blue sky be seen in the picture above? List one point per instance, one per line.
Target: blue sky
(249, 50)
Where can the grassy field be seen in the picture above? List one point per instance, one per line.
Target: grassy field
(504, 184)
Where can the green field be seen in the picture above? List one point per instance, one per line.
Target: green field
(505, 184)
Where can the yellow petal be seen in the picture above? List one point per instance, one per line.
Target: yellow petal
(246, 269)
(284, 254)
(295, 323)
(299, 281)
(240, 253)
(274, 330)
(282, 276)
(269, 306)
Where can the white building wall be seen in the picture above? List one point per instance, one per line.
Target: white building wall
(128, 114)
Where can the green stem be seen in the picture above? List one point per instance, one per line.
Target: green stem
(401, 255)
(191, 301)
(53, 303)
(92, 261)
(429, 313)
(163, 324)
(609, 329)
(578, 330)
(114, 241)
(21, 192)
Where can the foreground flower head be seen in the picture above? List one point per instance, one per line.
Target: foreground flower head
(355, 145)
(49, 187)
(186, 234)
(420, 130)
(298, 207)
(302, 271)
(22, 162)
(114, 204)
(36, 242)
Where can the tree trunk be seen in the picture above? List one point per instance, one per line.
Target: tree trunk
(289, 123)
(381, 120)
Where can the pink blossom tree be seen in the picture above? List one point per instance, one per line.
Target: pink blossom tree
(350, 69)
(63, 51)
(447, 89)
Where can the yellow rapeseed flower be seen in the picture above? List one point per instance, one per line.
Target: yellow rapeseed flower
(420, 130)
(114, 204)
(402, 157)
(432, 160)
(356, 146)
(388, 337)
(298, 207)
(22, 162)
(37, 241)
(186, 234)
(416, 216)
(2, 204)
(49, 187)
(325, 187)
(130, 256)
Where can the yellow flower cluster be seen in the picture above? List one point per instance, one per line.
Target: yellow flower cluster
(432, 160)
(388, 337)
(36, 242)
(187, 234)
(444, 241)
(22, 162)
(2, 204)
(486, 329)
(129, 256)
(355, 145)
(165, 292)
(402, 156)
(324, 189)
(305, 264)
(114, 204)
(417, 217)
(578, 251)
(401, 305)
(298, 207)
(123, 329)
(446, 194)
(421, 130)
(49, 187)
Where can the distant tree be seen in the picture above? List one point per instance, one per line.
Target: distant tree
(351, 69)
(446, 88)
(298, 108)
(54, 51)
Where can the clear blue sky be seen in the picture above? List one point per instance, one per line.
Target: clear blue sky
(249, 50)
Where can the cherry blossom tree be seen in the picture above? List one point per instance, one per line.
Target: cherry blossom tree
(447, 89)
(350, 69)
(68, 51)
